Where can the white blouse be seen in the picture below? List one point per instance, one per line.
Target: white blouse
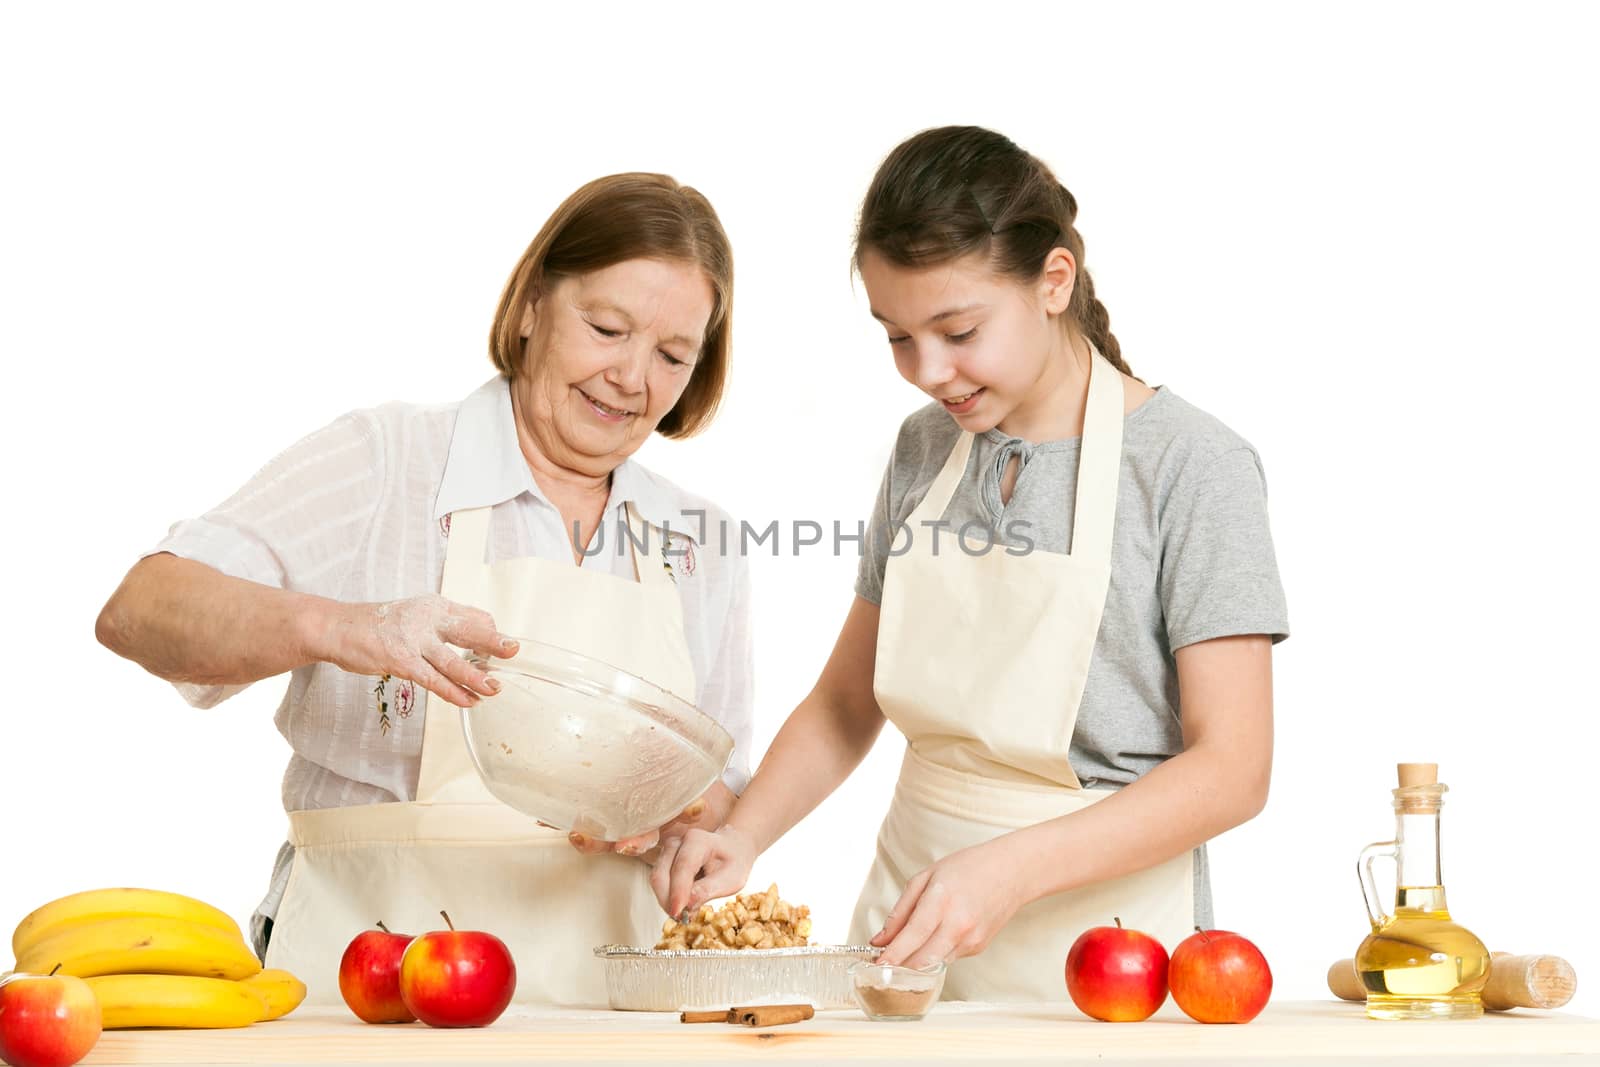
(358, 512)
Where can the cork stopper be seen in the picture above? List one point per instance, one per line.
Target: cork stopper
(1418, 774)
(1420, 792)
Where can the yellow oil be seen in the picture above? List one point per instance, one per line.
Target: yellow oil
(1420, 964)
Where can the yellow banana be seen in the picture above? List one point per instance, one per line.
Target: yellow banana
(143, 945)
(281, 991)
(98, 905)
(174, 1002)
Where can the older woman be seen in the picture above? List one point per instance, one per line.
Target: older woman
(358, 557)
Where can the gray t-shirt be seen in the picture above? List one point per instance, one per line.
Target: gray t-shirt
(1192, 559)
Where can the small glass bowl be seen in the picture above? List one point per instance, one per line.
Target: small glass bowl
(891, 994)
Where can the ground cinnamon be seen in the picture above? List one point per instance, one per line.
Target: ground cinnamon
(886, 1000)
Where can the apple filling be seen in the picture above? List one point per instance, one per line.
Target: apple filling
(754, 920)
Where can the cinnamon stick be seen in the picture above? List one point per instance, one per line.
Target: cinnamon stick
(771, 1014)
(703, 1017)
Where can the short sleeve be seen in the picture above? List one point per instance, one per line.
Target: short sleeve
(728, 694)
(1219, 574)
(298, 524)
(875, 545)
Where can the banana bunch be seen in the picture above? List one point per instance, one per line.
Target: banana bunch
(155, 959)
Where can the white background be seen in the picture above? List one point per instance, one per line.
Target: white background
(1362, 235)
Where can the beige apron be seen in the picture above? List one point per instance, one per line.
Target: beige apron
(981, 663)
(458, 848)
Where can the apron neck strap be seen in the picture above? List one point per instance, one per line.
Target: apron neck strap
(651, 564)
(467, 547)
(933, 505)
(1094, 512)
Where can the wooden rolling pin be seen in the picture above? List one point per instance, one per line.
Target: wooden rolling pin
(1514, 982)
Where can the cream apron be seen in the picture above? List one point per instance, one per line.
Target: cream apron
(459, 849)
(981, 663)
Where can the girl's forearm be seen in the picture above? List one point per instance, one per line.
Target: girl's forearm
(1181, 804)
(814, 752)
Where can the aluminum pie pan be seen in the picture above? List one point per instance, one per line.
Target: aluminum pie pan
(707, 979)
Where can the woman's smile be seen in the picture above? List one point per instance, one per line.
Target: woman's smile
(605, 412)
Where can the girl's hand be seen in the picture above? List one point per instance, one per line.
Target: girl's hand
(955, 907)
(705, 813)
(701, 866)
(408, 639)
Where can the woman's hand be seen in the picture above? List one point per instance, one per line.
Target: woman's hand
(955, 907)
(701, 866)
(705, 813)
(407, 639)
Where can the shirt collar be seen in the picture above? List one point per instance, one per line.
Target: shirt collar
(658, 503)
(485, 467)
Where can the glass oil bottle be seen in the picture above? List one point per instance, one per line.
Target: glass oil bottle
(1417, 963)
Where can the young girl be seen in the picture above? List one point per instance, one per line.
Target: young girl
(1066, 603)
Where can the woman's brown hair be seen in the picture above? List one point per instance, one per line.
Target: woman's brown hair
(954, 191)
(608, 221)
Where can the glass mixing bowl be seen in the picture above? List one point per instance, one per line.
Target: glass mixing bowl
(580, 745)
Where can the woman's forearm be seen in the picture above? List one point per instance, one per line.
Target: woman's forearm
(187, 622)
(1181, 804)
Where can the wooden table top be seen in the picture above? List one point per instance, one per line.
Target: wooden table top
(1322, 1032)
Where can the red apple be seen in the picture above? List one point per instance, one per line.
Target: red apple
(457, 977)
(1117, 975)
(369, 976)
(1219, 977)
(47, 1020)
